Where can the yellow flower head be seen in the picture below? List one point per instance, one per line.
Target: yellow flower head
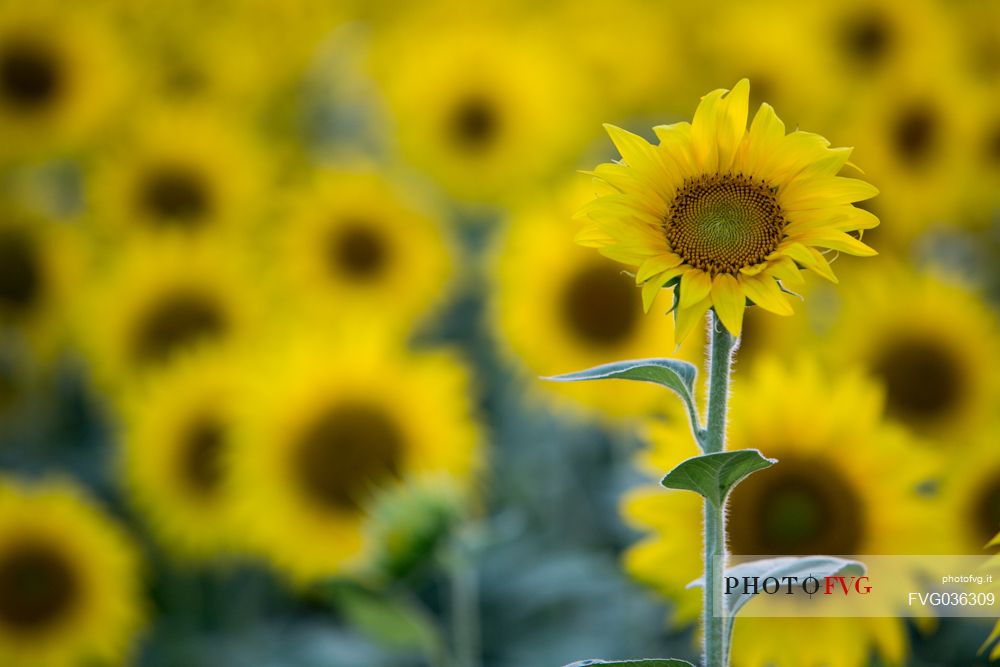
(70, 590)
(723, 214)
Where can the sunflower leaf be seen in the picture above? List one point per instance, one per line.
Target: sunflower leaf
(714, 475)
(677, 376)
(648, 662)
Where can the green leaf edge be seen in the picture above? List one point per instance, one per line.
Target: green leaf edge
(647, 662)
(680, 478)
(685, 373)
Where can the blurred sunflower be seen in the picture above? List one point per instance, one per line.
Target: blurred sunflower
(59, 76)
(608, 40)
(163, 297)
(329, 426)
(186, 171)
(40, 262)
(177, 429)
(769, 44)
(581, 311)
(723, 215)
(970, 492)
(481, 108)
(353, 240)
(926, 339)
(863, 40)
(915, 142)
(845, 483)
(70, 592)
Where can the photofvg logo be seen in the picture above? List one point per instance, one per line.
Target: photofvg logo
(811, 585)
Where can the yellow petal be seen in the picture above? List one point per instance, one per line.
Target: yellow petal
(656, 264)
(835, 240)
(729, 302)
(705, 132)
(784, 269)
(811, 259)
(695, 286)
(764, 292)
(675, 148)
(649, 291)
(644, 159)
(686, 319)
(821, 192)
(732, 123)
(766, 133)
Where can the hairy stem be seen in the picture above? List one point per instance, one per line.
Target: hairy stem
(722, 346)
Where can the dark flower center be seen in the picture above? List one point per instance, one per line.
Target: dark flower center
(923, 379)
(915, 134)
(474, 124)
(724, 222)
(802, 506)
(177, 320)
(20, 272)
(599, 305)
(985, 514)
(201, 455)
(867, 38)
(30, 75)
(346, 453)
(358, 251)
(175, 195)
(38, 587)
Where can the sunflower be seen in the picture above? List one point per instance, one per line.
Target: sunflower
(328, 426)
(481, 108)
(970, 490)
(845, 483)
(580, 311)
(771, 45)
(915, 136)
(184, 171)
(70, 592)
(722, 214)
(353, 239)
(162, 297)
(929, 340)
(40, 262)
(177, 430)
(59, 76)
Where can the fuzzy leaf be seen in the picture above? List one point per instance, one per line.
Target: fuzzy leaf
(714, 475)
(677, 376)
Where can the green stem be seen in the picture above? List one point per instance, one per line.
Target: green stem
(720, 363)
(464, 607)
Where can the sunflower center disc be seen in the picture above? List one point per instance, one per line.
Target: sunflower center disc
(201, 457)
(37, 587)
(177, 320)
(175, 196)
(358, 251)
(474, 124)
(346, 453)
(724, 222)
(798, 508)
(599, 305)
(923, 380)
(20, 274)
(29, 76)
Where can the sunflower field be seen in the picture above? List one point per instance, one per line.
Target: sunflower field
(281, 284)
